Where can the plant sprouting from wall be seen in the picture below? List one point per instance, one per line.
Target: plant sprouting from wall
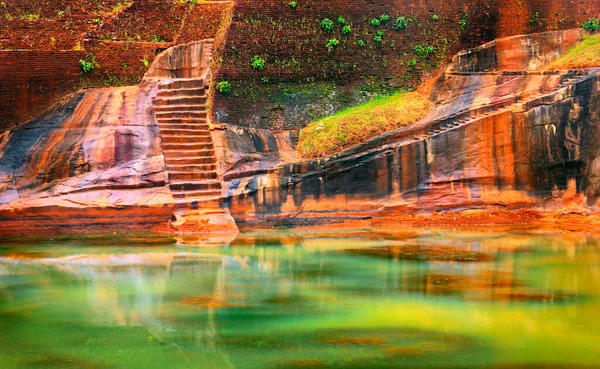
(257, 63)
(293, 5)
(400, 23)
(332, 44)
(346, 30)
(88, 64)
(341, 21)
(384, 18)
(591, 25)
(423, 51)
(224, 87)
(360, 43)
(375, 22)
(327, 25)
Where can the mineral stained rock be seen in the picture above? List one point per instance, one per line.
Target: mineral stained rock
(505, 135)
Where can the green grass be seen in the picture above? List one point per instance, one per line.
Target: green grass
(585, 54)
(358, 124)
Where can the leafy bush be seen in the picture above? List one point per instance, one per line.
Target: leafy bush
(156, 38)
(591, 25)
(435, 17)
(327, 25)
(341, 20)
(224, 87)
(346, 30)
(423, 51)
(332, 44)
(400, 23)
(384, 18)
(258, 63)
(87, 66)
(293, 5)
(462, 23)
(360, 43)
(265, 79)
(412, 63)
(375, 22)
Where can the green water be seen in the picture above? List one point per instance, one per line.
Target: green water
(290, 300)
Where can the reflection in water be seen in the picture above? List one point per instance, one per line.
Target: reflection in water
(280, 300)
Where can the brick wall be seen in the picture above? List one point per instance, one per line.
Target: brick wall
(31, 81)
(294, 47)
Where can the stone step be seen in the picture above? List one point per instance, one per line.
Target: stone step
(185, 120)
(182, 92)
(169, 146)
(190, 160)
(180, 108)
(190, 83)
(191, 176)
(190, 195)
(194, 185)
(161, 116)
(204, 156)
(181, 100)
(191, 167)
(196, 131)
(181, 139)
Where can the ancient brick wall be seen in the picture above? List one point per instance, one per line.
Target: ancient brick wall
(31, 81)
(303, 80)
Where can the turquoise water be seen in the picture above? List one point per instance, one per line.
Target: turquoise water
(424, 299)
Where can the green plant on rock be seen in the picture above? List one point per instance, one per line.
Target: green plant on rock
(423, 52)
(435, 17)
(378, 38)
(346, 30)
(360, 43)
(265, 80)
(375, 22)
(257, 63)
(30, 16)
(463, 22)
(400, 23)
(145, 61)
(156, 38)
(224, 87)
(332, 44)
(293, 5)
(327, 25)
(592, 24)
(96, 20)
(341, 21)
(412, 63)
(89, 64)
(535, 18)
(384, 18)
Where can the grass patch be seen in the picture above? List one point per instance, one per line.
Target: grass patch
(358, 124)
(586, 54)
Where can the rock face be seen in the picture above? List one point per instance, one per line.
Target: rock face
(509, 140)
(504, 134)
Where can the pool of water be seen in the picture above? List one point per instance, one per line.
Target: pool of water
(422, 299)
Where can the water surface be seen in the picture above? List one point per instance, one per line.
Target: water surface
(424, 299)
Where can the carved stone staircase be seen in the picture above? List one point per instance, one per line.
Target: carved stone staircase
(471, 118)
(181, 112)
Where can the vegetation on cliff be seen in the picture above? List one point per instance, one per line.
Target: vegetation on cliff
(358, 124)
(586, 54)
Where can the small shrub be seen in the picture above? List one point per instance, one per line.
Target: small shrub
(87, 66)
(346, 30)
(96, 20)
(156, 38)
(384, 18)
(265, 80)
(30, 16)
(535, 18)
(258, 63)
(377, 39)
(332, 44)
(400, 23)
(293, 5)
(59, 14)
(375, 22)
(224, 87)
(592, 24)
(462, 23)
(145, 61)
(423, 51)
(341, 21)
(327, 25)
(412, 63)
(435, 17)
(360, 43)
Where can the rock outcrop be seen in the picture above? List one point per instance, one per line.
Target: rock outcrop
(504, 135)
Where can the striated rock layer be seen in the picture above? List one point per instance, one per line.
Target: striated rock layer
(507, 142)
